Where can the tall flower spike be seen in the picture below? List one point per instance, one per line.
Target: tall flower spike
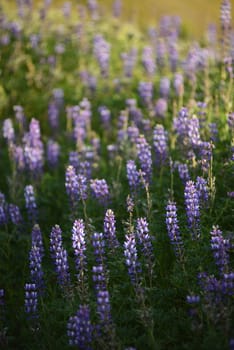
(53, 151)
(79, 246)
(173, 227)
(131, 259)
(160, 144)
(202, 190)
(220, 247)
(99, 277)
(98, 245)
(31, 300)
(59, 256)
(145, 241)
(192, 208)
(100, 190)
(15, 215)
(144, 156)
(37, 239)
(71, 185)
(35, 265)
(132, 175)
(31, 205)
(103, 308)
(110, 230)
(80, 329)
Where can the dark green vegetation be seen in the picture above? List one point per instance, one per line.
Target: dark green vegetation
(160, 317)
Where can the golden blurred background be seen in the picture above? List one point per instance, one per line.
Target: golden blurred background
(196, 15)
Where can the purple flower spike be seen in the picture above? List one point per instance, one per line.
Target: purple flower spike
(79, 246)
(53, 151)
(103, 308)
(148, 60)
(220, 248)
(160, 144)
(80, 329)
(15, 215)
(146, 92)
(145, 241)
(99, 277)
(59, 256)
(202, 190)
(3, 209)
(100, 190)
(71, 184)
(110, 230)
(35, 265)
(31, 205)
(192, 208)
(144, 156)
(8, 130)
(173, 227)
(98, 245)
(131, 259)
(31, 300)
(132, 175)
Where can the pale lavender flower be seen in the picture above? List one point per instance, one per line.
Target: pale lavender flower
(110, 230)
(53, 114)
(183, 171)
(18, 157)
(192, 208)
(8, 130)
(129, 61)
(179, 84)
(131, 259)
(79, 246)
(132, 175)
(101, 50)
(144, 156)
(160, 108)
(31, 205)
(100, 190)
(59, 256)
(173, 229)
(145, 90)
(74, 159)
(98, 244)
(53, 152)
(145, 241)
(71, 184)
(206, 149)
(202, 190)
(148, 60)
(80, 329)
(117, 7)
(220, 248)
(160, 140)
(164, 88)
(193, 132)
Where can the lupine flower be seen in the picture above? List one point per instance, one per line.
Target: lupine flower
(19, 115)
(130, 204)
(219, 247)
(35, 266)
(183, 172)
(80, 329)
(117, 6)
(181, 124)
(102, 53)
(225, 15)
(148, 60)
(133, 133)
(202, 190)
(103, 308)
(33, 148)
(205, 155)
(31, 205)
(160, 52)
(179, 84)
(129, 61)
(98, 245)
(160, 108)
(3, 209)
(100, 190)
(192, 208)
(53, 151)
(105, 115)
(99, 277)
(31, 300)
(132, 175)
(193, 132)
(71, 184)
(173, 227)
(82, 187)
(74, 159)
(8, 130)
(193, 299)
(79, 246)
(160, 144)
(145, 240)
(213, 132)
(131, 259)
(18, 157)
(15, 215)
(164, 88)
(110, 230)
(59, 256)
(144, 156)
(173, 54)
(145, 90)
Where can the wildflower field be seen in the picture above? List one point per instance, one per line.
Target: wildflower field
(116, 186)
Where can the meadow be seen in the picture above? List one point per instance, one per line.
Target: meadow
(116, 186)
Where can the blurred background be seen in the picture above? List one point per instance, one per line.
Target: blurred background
(196, 15)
